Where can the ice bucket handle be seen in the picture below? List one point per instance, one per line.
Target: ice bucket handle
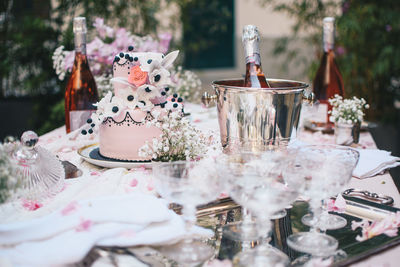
(207, 98)
(309, 96)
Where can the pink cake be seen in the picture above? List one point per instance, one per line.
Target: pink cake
(140, 83)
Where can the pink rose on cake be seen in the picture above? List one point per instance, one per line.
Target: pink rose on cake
(137, 77)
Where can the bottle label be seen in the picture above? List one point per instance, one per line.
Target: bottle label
(254, 58)
(320, 113)
(77, 118)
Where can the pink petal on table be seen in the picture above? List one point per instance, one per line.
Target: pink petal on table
(70, 208)
(95, 173)
(134, 182)
(150, 185)
(197, 120)
(340, 204)
(84, 225)
(31, 204)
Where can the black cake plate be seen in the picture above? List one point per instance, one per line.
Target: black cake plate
(92, 155)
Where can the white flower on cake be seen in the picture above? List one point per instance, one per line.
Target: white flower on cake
(129, 98)
(159, 75)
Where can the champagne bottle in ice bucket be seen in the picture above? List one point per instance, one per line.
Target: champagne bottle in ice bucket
(254, 74)
(328, 80)
(81, 92)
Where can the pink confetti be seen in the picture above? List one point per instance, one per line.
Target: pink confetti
(134, 182)
(388, 226)
(197, 121)
(70, 208)
(95, 173)
(338, 205)
(223, 195)
(31, 204)
(85, 225)
(150, 186)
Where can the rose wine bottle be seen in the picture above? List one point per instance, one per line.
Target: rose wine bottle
(254, 74)
(81, 91)
(328, 80)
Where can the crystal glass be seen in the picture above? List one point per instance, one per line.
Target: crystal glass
(326, 170)
(188, 184)
(257, 182)
(244, 230)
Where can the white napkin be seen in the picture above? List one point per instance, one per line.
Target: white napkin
(373, 162)
(67, 235)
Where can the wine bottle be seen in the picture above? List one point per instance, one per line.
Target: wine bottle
(328, 81)
(81, 91)
(254, 73)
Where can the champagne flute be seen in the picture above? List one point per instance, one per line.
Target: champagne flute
(188, 184)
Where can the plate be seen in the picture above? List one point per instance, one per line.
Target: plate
(90, 154)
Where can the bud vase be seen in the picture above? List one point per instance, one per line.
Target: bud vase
(347, 133)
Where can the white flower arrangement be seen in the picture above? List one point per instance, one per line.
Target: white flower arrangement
(179, 140)
(348, 111)
(10, 182)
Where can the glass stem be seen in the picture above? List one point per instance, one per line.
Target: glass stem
(316, 210)
(189, 215)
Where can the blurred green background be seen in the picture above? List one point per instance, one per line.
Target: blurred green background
(368, 47)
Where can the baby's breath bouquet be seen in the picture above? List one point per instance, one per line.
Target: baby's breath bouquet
(179, 140)
(347, 111)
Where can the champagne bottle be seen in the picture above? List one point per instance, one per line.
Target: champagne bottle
(254, 73)
(81, 92)
(328, 81)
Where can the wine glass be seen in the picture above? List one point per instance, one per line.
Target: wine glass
(257, 182)
(245, 229)
(326, 170)
(188, 184)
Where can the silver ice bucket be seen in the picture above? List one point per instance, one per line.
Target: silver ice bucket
(257, 115)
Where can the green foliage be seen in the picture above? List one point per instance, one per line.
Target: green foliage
(369, 41)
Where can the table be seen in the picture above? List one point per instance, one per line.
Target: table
(206, 119)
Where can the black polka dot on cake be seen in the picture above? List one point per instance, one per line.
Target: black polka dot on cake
(147, 90)
(127, 56)
(173, 100)
(135, 59)
(162, 105)
(180, 99)
(121, 54)
(157, 78)
(89, 120)
(163, 93)
(92, 125)
(90, 131)
(149, 61)
(166, 89)
(129, 73)
(117, 58)
(130, 59)
(84, 132)
(162, 56)
(130, 48)
(175, 105)
(130, 98)
(175, 95)
(115, 109)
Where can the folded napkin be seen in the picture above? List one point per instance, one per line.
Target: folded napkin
(373, 162)
(67, 235)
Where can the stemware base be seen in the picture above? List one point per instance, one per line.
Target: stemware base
(240, 231)
(309, 260)
(326, 221)
(278, 215)
(261, 256)
(188, 253)
(313, 243)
